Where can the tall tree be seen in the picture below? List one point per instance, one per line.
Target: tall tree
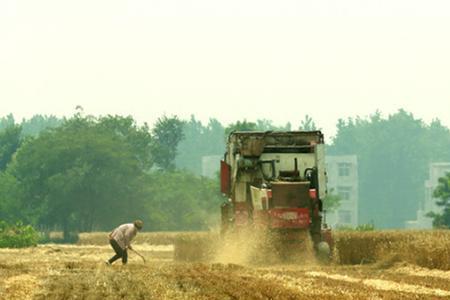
(10, 194)
(308, 124)
(191, 147)
(7, 121)
(39, 123)
(199, 141)
(80, 175)
(167, 134)
(442, 192)
(214, 138)
(267, 125)
(137, 137)
(241, 126)
(259, 125)
(10, 141)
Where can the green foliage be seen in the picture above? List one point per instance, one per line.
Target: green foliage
(17, 236)
(365, 227)
(332, 201)
(308, 124)
(240, 126)
(137, 137)
(7, 121)
(10, 193)
(9, 143)
(259, 125)
(393, 159)
(83, 174)
(361, 227)
(32, 126)
(181, 201)
(167, 134)
(199, 141)
(95, 173)
(442, 192)
(86, 173)
(39, 123)
(267, 125)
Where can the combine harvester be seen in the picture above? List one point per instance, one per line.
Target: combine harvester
(275, 183)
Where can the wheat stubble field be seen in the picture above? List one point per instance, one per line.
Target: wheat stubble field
(367, 265)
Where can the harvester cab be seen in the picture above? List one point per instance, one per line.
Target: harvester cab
(275, 183)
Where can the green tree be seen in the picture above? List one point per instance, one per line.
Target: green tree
(17, 235)
(39, 123)
(7, 121)
(179, 200)
(259, 125)
(214, 138)
(308, 124)
(267, 125)
(10, 193)
(137, 137)
(167, 134)
(332, 201)
(199, 141)
(442, 192)
(81, 175)
(32, 126)
(191, 147)
(9, 143)
(240, 126)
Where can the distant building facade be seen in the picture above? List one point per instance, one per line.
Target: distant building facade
(436, 171)
(342, 173)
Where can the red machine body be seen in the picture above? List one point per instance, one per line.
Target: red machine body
(275, 182)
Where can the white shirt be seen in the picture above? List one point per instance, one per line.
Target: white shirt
(124, 234)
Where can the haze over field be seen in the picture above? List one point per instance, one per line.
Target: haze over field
(228, 60)
(144, 112)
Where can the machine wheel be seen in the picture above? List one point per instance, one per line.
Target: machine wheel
(323, 252)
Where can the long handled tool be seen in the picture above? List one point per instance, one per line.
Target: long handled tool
(140, 255)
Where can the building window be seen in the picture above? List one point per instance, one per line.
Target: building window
(344, 169)
(344, 192)
(345, 216)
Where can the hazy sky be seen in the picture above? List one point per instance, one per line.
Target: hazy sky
(229, 60)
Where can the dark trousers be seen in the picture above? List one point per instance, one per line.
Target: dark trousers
(120, 253)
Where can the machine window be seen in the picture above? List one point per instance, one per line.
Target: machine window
(344, 169)
(344, 192)
(345, 216)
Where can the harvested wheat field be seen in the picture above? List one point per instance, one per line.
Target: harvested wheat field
(78, 271)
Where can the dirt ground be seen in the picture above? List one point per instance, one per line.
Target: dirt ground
(79, 272)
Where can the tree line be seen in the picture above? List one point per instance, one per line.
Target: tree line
(89, 173)
(92, 173)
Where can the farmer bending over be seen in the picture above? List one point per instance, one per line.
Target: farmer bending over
(120, 239)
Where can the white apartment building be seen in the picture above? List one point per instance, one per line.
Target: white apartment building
(342, 173)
